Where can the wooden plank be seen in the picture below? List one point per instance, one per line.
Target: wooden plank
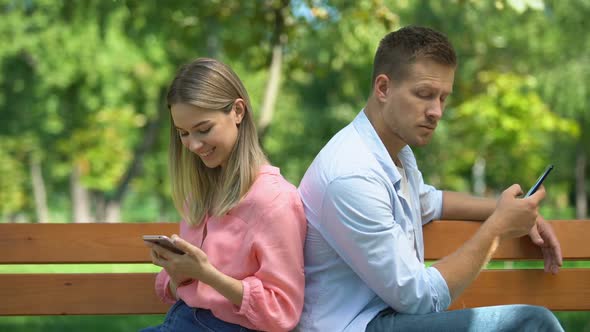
(78, 243)
(120, 243)
(78, 294)
(569, 290)
(443, 237)
(81, 294)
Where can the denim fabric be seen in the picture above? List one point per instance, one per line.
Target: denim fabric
(505, 318)
(181, 317)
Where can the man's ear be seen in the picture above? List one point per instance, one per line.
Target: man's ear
(240, 110)
(381, 87)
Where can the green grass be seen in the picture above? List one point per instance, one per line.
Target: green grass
(575, 321)
(498, 265)
(79, 323)
(571, 321)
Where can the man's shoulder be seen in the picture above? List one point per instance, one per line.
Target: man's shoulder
(343, 155)
(344, 161)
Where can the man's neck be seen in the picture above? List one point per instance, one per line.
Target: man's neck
(392, 143)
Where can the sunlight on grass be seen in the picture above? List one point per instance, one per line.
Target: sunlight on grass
(109, 323)
(499, 265)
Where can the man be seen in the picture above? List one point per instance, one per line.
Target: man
(366, 203)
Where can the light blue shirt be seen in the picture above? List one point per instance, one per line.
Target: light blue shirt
(364, 249)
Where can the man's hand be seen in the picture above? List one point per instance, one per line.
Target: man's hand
(542, 235)
(514, 216)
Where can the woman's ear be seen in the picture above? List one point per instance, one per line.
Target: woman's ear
(239, 110)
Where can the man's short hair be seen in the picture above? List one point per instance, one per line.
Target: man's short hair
(399, 49)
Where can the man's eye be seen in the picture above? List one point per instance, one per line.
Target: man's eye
(424, 94)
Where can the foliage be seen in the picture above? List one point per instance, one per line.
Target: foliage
(81, 82)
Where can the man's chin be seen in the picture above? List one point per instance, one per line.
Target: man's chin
(421, 141)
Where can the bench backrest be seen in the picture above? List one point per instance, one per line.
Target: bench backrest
(133, 293)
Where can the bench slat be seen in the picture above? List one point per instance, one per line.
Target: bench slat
(78, 243)
(569, 290)
(443, 237)
(133, 293)
(79, 294)
(121, 243)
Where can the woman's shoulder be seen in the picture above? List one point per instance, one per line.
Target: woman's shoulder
(270, 195)
(270, 185)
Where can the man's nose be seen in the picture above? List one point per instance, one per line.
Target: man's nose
(435, 110)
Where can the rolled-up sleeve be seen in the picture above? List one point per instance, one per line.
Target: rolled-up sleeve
(162, 281)
(358, 221)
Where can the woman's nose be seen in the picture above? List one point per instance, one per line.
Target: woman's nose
(193, 144)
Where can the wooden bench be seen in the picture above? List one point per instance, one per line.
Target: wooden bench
(133, 293)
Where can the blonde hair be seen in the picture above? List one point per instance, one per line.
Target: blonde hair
(197, 190)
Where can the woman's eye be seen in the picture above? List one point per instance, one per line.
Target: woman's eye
(204, 131)
(182, 134)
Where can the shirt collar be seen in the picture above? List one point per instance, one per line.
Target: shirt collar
(269, 169)
(370, 137)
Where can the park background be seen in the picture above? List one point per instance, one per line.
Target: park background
(84, 126)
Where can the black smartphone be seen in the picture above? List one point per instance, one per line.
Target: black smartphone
(163, 241)
(539, 181)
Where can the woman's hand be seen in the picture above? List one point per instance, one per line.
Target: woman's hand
(193, 265)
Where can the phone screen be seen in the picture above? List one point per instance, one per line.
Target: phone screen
(163, 241)
(539, 181)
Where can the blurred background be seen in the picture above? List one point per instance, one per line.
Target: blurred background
(84, 125)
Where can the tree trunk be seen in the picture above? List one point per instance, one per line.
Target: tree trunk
(272, 89)
(113, 203)
(162, 201)
(274, 80)
(80, 198)
(581, 196)
(213, 47)
(478, 174)
(39, 192)
(113, 212)
(99, 205)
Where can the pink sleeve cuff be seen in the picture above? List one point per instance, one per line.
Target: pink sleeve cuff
(253, 291)
(258, 313)
(246, 299)
(162, 281)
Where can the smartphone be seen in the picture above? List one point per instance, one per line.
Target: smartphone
(163, 241)
(539, 181)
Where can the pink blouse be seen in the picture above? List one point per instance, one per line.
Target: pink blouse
(260, 242)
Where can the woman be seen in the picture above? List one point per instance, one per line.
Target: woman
(243, 224)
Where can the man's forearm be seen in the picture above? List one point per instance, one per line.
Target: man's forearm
(460, 206)
(462, 267)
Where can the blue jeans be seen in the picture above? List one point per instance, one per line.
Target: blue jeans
(498, 318)
(181, 317)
